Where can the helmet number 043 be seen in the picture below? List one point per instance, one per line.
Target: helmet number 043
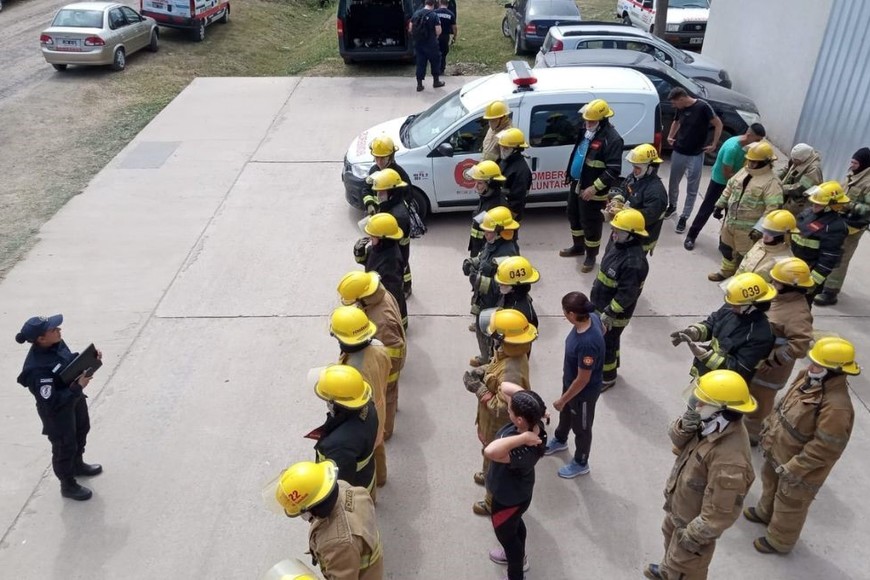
(518, 273)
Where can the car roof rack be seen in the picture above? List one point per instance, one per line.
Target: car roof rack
(521, 75)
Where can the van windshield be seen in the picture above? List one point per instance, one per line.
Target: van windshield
(435, 120)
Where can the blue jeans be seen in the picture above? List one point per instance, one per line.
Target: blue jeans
(690, 166)
(428, 55)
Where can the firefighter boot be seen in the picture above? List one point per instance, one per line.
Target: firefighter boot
(578, 249)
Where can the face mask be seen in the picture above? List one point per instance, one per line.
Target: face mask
(330, 408)
(503, 289)
(505, 152)
(707, 412)
(306, 516)
(619, 236)
(817, 376)
(589, 135)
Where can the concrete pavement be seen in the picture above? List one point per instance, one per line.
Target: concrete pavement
(203, 261)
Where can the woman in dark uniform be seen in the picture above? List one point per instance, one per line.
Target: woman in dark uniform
(61, 406)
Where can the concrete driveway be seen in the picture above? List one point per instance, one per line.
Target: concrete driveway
(203, 260)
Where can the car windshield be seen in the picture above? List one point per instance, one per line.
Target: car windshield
(688, 4)
(690, 84)
(79, 18)
(433, 121)
(554, 7)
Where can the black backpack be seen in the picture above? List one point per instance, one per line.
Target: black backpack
(420, 26)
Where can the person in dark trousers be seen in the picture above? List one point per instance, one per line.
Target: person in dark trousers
(644, 191)
(390, 188)
(615, 292)
(513, 454)
(449, 29)
(729, 161)
(594, 165)
(488, 182)
(380, 253)
(517, 175)
(581, 383)
(688, 137)
(61, 406)
(425, 30)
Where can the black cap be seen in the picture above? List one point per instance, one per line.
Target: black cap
(37, 326)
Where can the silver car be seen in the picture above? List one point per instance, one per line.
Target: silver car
(97, 33)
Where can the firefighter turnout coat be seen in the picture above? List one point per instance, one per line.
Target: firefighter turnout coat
(819, 242)
(747, 198)
(620, 280)
(739, 341)
(792, 323)
(603, 162)
(518, 181)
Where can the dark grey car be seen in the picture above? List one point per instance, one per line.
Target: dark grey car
(527, 22)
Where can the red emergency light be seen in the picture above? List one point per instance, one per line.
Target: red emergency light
(521, 75)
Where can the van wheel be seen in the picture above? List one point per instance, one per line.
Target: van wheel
(423, 207)
(198, 33)
(154, 45)
(226, 17)
(626, 19)
(505, 27)
(119, 61)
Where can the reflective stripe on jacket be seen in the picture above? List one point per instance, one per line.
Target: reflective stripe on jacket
(746, 198)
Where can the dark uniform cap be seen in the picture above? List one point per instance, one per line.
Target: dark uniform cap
(37, 326)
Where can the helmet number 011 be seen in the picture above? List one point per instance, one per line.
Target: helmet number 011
(518, 273)
(752, 291)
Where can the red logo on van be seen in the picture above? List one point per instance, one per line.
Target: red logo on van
(459, 173)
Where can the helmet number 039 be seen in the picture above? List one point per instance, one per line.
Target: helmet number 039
(751, 291)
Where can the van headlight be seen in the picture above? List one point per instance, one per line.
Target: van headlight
(673, 27)
(360, 170)
(748, 117)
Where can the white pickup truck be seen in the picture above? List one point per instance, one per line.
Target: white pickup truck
(687, 19)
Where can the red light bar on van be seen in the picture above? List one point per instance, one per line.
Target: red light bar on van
(521, 75)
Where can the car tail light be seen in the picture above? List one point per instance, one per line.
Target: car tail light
(94, 41)
(531, 28)
(339, 27)
(557, 46)
(657, 142)
(46, 39)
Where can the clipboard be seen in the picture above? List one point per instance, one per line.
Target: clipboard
(85, 362)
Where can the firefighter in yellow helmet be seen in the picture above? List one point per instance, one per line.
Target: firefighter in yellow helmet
(343, 537)
(350, 432)
(792, 324)
(512, 337)
(488, 182)
(383, 149)
(380, 252)
(390, 188)
(512, 163)
(498, 115)
(803, 171)
(751, 193)
(515, 276)
(593, 166)
(617, 288)
(738, 335)
(498, 226)
(360, 349)
(774, 245)
(802, 440)
(364, 289)
(644, 191)
(822, 231)
(703, 497)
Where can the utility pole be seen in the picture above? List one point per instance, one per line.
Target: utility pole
(661, 22)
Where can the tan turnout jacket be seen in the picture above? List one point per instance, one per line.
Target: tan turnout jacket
(792, 323)
(761, 258)
(383, 310)
(511, 364)
(373, 363)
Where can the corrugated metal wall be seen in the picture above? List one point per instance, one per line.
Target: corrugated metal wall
(836, 115)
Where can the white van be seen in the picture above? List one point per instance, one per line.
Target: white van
(439, 144)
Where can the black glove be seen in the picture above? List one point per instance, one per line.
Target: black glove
(466, 266)
(755, 235)
(718, 213)
(489, 268)
(359, 248)
(471, 382)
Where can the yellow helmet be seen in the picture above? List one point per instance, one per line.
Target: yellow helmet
(499, 218)
(596, 110)
(793, 272)
(760, 151)
(343, 385)
(384, 225)
(304, 485)
(643, 155)
(357, 284)
(289, 569)
(835, 353)
(385, 179)
(827, 193)
(350, 325)
(748, 288)
(723, 388)
(779, 221)
(513, 325)
(496, 110)
(629, 220)
(382, 146)
(516, 270)
(512, 137)
(485, 171)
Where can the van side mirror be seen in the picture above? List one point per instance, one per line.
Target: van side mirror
(508, 5)
(445, 149)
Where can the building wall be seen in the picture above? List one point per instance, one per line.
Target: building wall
(770, 49)
(836, 114)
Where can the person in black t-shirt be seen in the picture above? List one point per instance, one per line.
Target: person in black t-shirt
(448, 27)
(513, 455)
(688, 136)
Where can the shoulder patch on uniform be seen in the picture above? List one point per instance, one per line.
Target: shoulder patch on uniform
(348, 500)
(45, 391)
(48, 380)
(588, 360)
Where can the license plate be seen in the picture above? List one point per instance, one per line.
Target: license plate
(696, 40)
(65, 42)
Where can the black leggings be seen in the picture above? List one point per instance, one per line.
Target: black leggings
(578, 416)
(510, 530)
(714, 191)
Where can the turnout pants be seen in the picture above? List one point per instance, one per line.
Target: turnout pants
(578, 416)
(405, 249)
(733, 245)
(586, 221)
(68, 433)
(784, 507)
(680, 564)
(510, 530)
(714, 192)
(834, 281)
(611, 344)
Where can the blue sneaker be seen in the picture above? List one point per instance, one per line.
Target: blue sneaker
(572, 470)
(555, 446)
